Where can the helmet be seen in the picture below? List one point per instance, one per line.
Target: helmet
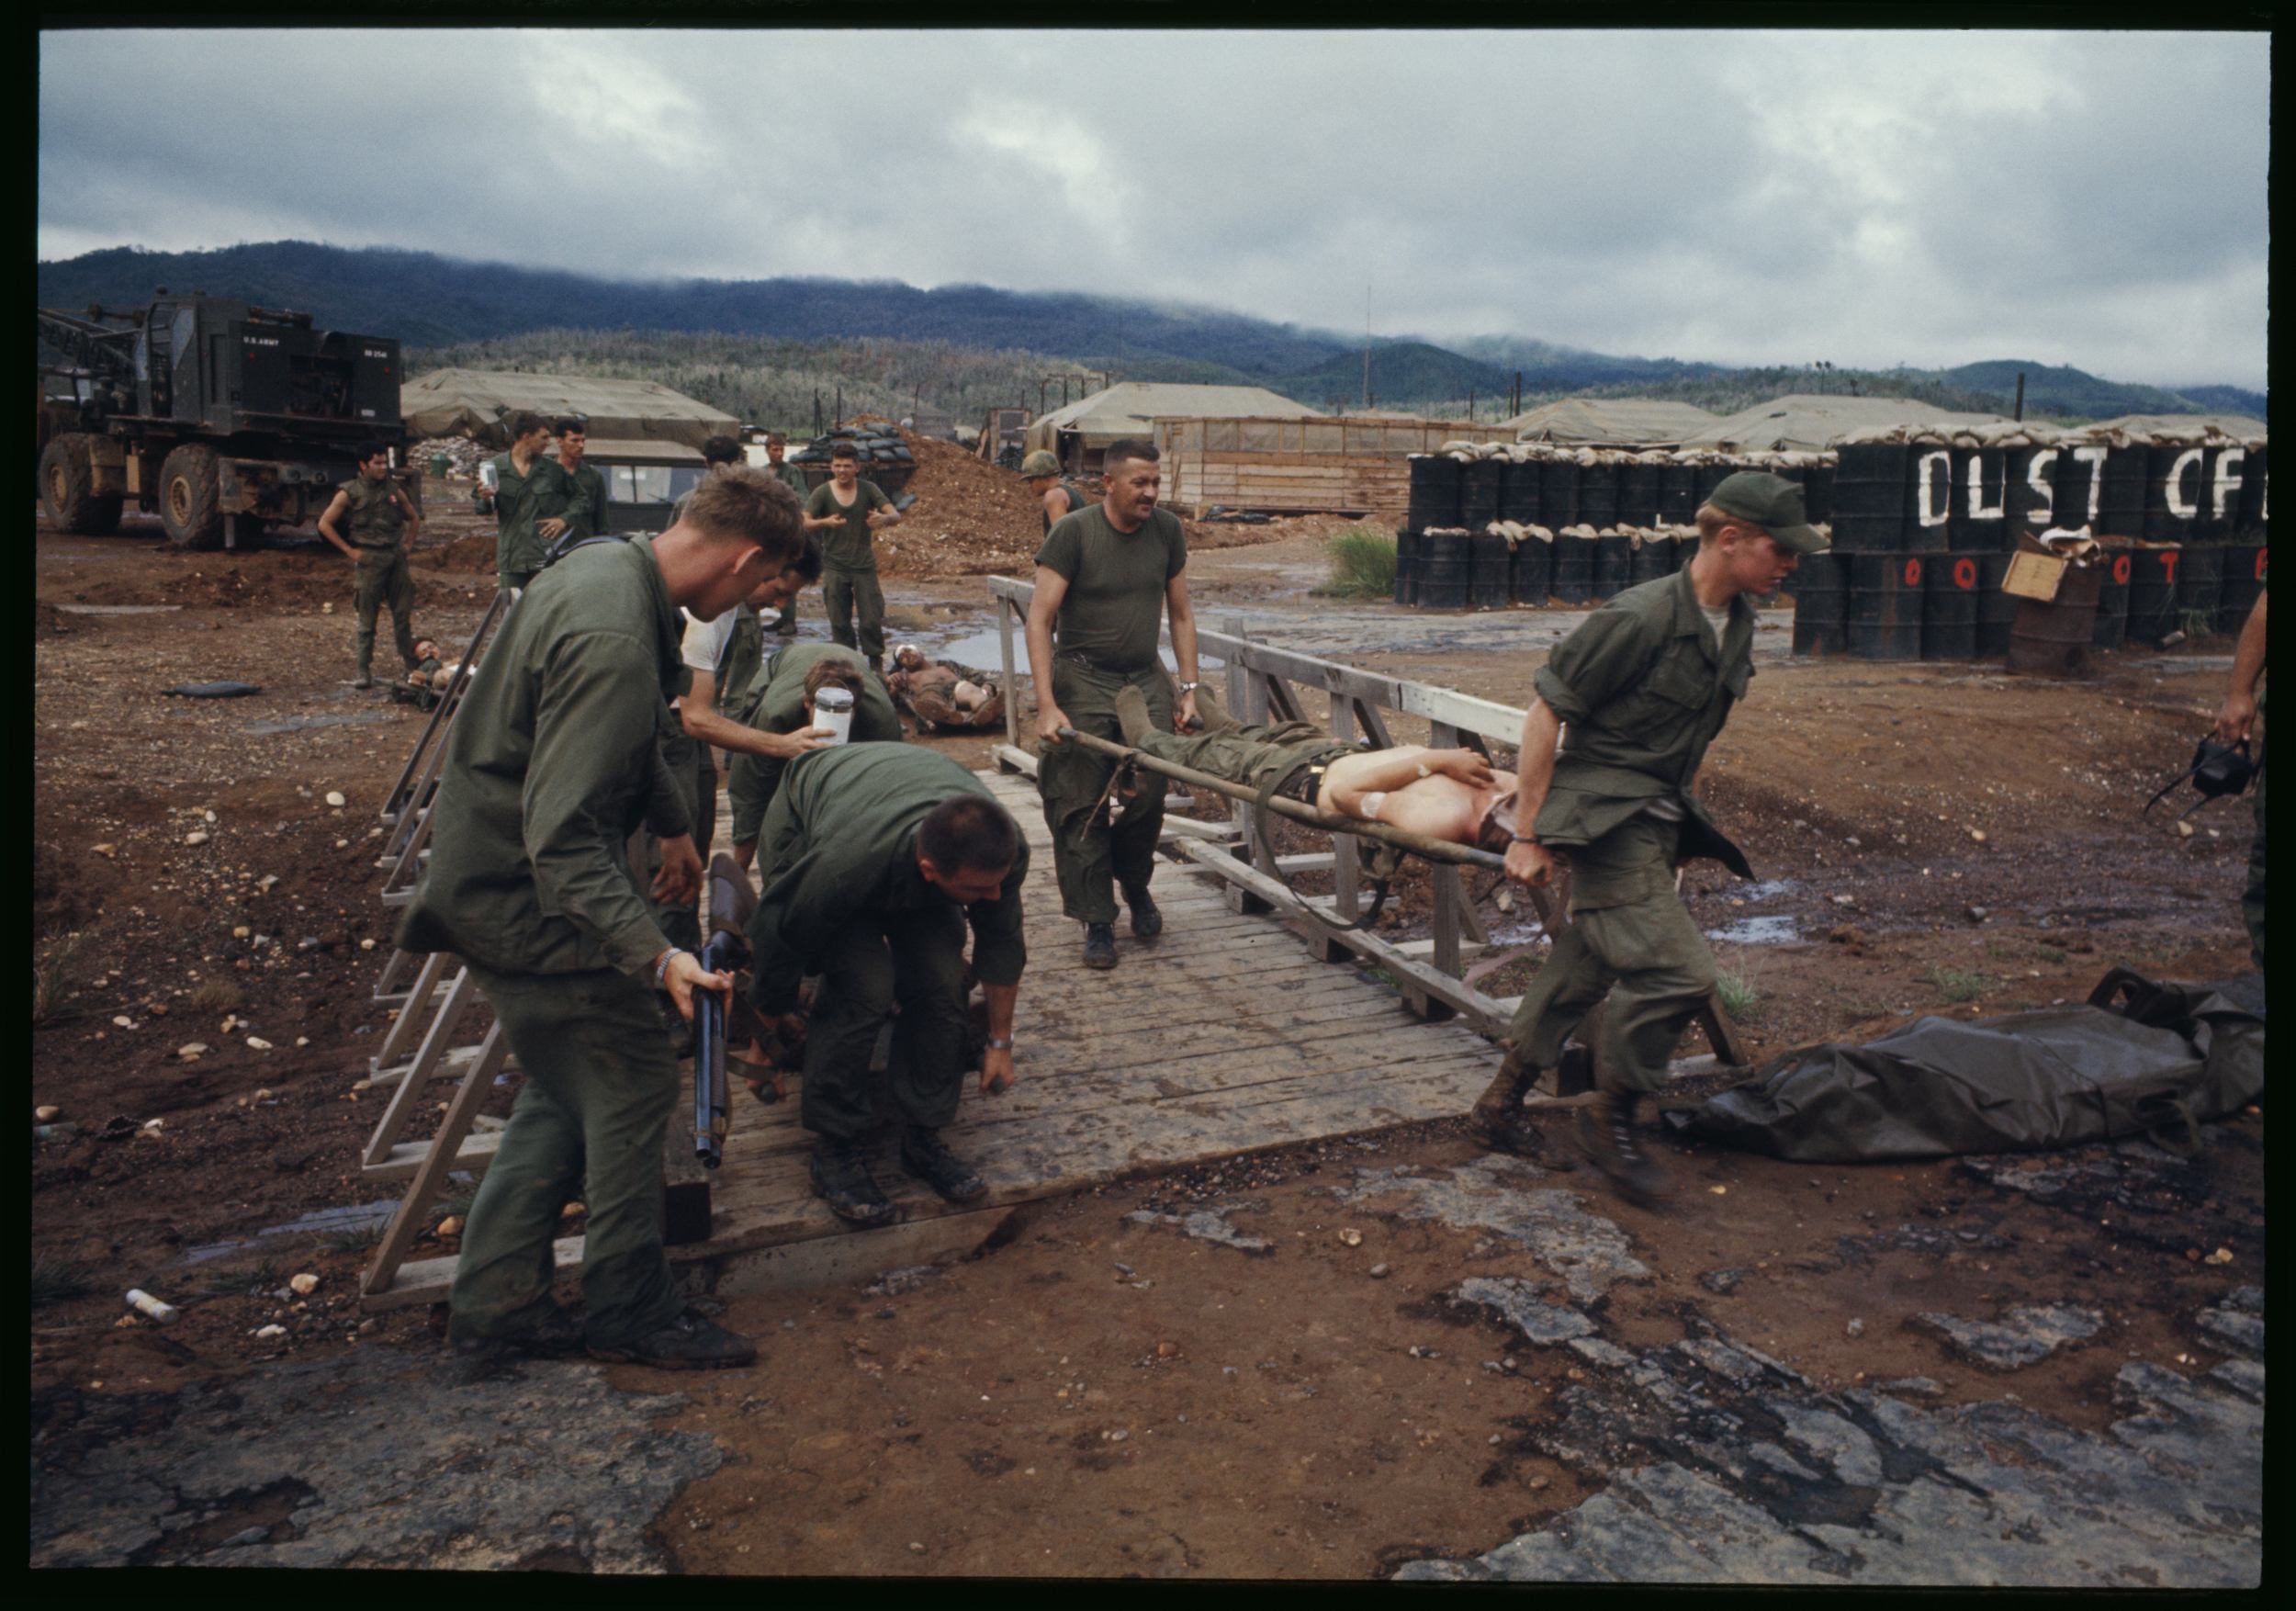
(1040, 463)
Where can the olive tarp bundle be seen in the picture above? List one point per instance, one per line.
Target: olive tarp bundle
(2137, 1059)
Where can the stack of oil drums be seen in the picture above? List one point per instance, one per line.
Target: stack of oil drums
(1498, 523)
(1924, 529)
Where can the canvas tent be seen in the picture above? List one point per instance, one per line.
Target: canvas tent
(1809, 421)
(474, 403)
(1627, 421)
(1078, 432)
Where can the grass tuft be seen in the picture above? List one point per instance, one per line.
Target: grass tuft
(1738, 998)
(357, 1239)
(54, 979)
(1362, 561)
(1960, 984)
(55, 1279)
(216, 994)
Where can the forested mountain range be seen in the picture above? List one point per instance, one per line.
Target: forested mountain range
(435, 302)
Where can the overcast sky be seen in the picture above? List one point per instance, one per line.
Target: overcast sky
(2091, 198)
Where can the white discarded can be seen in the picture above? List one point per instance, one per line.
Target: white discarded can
(488, 477)
(833, 709)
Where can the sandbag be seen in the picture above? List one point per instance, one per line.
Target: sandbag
(2138, 1058)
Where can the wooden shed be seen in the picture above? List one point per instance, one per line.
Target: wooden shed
(1348, 464)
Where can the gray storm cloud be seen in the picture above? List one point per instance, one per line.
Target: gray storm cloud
(2089, 199)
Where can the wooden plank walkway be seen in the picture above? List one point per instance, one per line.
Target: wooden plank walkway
(1224, 1035)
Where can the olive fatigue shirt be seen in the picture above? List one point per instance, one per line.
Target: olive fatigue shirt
(840, 846)
(1113, 611)
(519, 502)
(775, 702)
(853, 546)
(378, 514)
(552, 764)
(579, 499)
(1643, 689)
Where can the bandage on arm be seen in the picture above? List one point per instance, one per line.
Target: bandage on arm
(1368, 805)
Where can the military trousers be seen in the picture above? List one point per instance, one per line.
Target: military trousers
(705, 787)
(505, 580)
(2251, 898)
(600, 1085)
(845, 593)
(1250, 756)
(916, 960)
(1088, 853)
(384, 580)
(1631, 939)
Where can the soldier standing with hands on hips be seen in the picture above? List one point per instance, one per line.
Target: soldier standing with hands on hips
(1104, 576)
(847, 514)
(1645, 683)
(523, 481)
(381, 513)
(551, 766)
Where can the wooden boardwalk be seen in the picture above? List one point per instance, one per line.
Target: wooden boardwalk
(1224, 1035)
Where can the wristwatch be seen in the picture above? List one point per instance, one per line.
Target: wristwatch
(997, 1045)
(1188, 687)
(662, 968)
(1523, 838)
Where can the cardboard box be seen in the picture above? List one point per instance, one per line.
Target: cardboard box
(2033, 576)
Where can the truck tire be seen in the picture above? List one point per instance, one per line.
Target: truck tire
(189, 498)
(66, 473)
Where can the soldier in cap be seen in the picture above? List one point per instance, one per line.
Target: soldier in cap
(847, 514)
(379, 511)
(776, 444)
(1645, 683)
(1061, 496)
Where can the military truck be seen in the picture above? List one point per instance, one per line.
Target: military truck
(222, 418)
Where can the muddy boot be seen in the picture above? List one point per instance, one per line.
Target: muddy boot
(687, 1343)
(926, 1158)
(1099, 946)
(556, 1334)
(1147, 920)
(1607, 1138)
(366, 678)
(843, 1181)
(1497, 1119)
(1131, 715)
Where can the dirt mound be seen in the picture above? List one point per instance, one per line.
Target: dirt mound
(474, 552)
(47, 619)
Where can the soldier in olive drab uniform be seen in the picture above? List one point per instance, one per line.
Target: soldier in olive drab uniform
(779, 701)
(776, 444)
(551, 765)
(695, 724)
(874, 857)
(846, 514)
(381, 513)
(1061, 496)
(577, 505)
(526, 479)
(1644, 683)
(2241, 716)
(1103, 575)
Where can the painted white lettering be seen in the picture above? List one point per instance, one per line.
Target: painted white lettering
(2094, 458)
(1977, 510)
(2041, 479)
(2228, 479)
(2182, 506)
(1933, 487)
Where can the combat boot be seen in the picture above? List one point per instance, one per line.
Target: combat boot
(1099, 946)
(557, 1333)
(366, 678)
(1497, 1119)
(1606, 1136)
(843, 1181)
(927, 1158)
(1147, 919)
(1209, 716)
(1131, 715)
(687, 1343)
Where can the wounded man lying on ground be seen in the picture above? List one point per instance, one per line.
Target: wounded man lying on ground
(1452, 795)
(942, 694)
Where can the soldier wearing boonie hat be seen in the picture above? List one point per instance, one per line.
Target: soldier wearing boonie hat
(1644, 684)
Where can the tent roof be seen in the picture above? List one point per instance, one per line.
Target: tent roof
(1125, 409)
(627, 450)
(1811, 421)
(473, 403)
(2242, 426)
(1643, 421)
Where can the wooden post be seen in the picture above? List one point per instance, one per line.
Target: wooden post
(1012, 686)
